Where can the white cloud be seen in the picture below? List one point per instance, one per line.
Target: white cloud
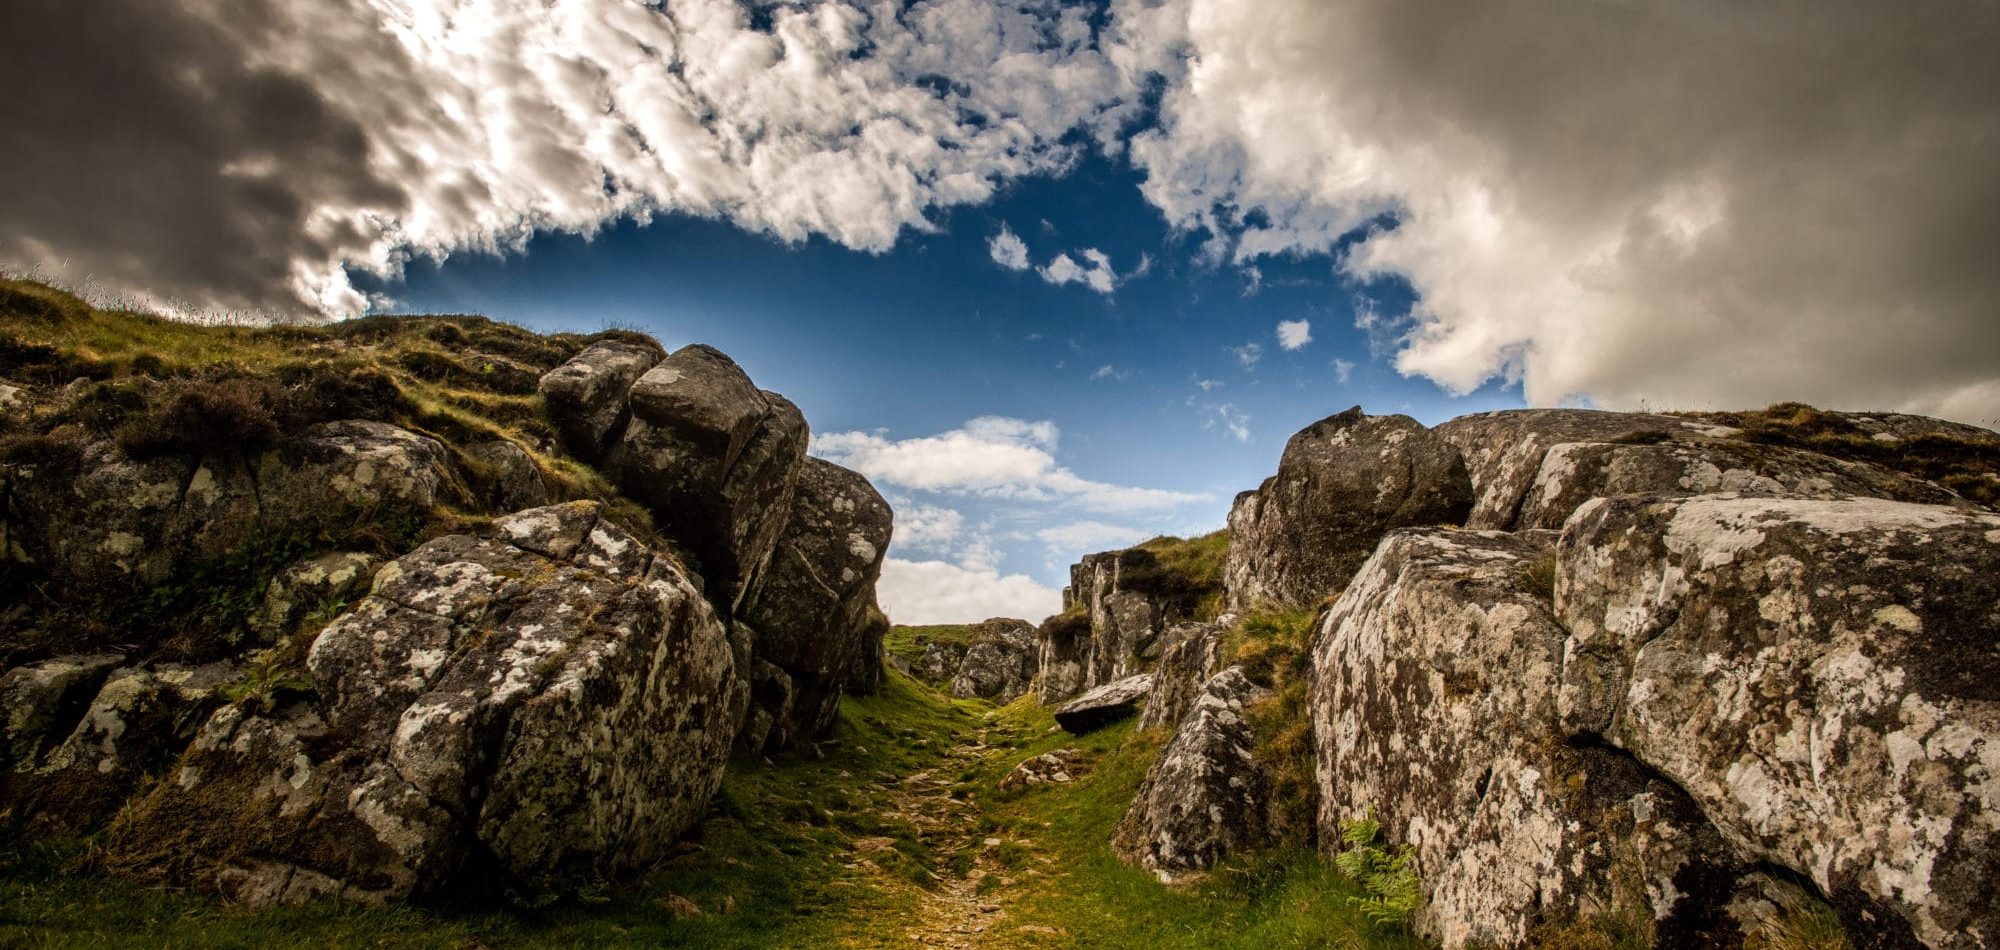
(990, 456)
(1208, 385)
(1096, 271)
(927, 527)
(1715, 208)
(940, 592)
(1083, 537)
(1342, 370)
(1008, 250)
(1248, 354)
(1110, 372)
(443, 125)
(1293, 334)
(1226, 417)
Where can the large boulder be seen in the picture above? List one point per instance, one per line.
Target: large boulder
(1205, 796)
(815, 612)
(1062, 655)
(551, 697)
(1120, 594)
(1822, 676)
(999, 664)
(717, 460)
(588, 396)
(1503, 450)
(1190, 661)
(1341, 483)
(1104, 705)
(1434, 709)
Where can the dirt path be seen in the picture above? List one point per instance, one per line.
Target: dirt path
(950, 912)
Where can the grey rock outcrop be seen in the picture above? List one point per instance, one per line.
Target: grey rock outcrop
(588, 396)
(1504, 450)
(109, 522)
(1341, 483)
(999, 664)
(1820, 675)
(508, 476)
(1062, 653)
(1114, 612)
(1104, 705)
(1192, 658)
(1205, 796)
(316, 583)
(1434, 706)
(940, 661)
(716, 459)
(552, 695)
(1059, 767)
(34, 698)
(815, 612)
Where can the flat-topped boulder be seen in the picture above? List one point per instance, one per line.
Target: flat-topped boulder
(1104, 705)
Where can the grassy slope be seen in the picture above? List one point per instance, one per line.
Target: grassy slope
(775, 867)
(908, 641)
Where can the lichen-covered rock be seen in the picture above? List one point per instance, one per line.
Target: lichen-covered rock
(1115, 591)
(768, 721)
(587, 396)
(1572, 473)
(140, 719)
(1820, 675)
(999, 664)
(507, 476)
(1059, 767)
(716, 459)
(39, 703)
(1341, 483)
(814, 609)
(1205, 796)
(940, 661)
(105, 522)
(1434, 706)
(321, 582)
(1194, 656)
(552, 696)
(1503, 450)
(1104, 705)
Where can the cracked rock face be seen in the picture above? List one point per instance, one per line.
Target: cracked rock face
(1341, 483)
(1123, 633)
(1503, 450)
(1194, 656)
(814, 610)
(114, 522)
(1000, 663)
(587, 395)
(1820, 675)
(1104, 705)
(1434, 706)
(1205, 796)
(716, 459)
(552, 695)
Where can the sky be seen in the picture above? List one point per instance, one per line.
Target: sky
(1060, 276)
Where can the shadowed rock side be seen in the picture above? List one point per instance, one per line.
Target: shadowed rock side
(1204, 797)
(1104, 705)
(552, 696)
(1821, 676)
(1193, 657)
(1341, 483)
(814, 612)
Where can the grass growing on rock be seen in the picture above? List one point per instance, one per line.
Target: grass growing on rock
(909, 641)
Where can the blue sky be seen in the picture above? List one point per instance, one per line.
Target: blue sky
(1689, 205)
(1177, 379)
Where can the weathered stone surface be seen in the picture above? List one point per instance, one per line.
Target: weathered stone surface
(1116, 591)
(999, 664)
(41, 700)
(940, 661)
(1341, 483)
(1194, 656)
(1062, 650)
(814, 609)
(587, 396)
(511, 480)
(1104, 705)
(1434, 705)
(768, 722)
(12, 398)
(140, 719)
(1575, 472)
(1205, 796)
(107, 522)
(716, 460)
(316, 583)
(1503, 450)
(1820, 675)
(1059, 767)
(553, 696)
(500, 374)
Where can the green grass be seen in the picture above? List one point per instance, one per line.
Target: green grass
(1185, 572)
(1282, 899)
(908, 641)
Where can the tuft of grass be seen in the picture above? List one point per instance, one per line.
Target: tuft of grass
(1967, 464)
(1274, 649)
(1184, 572)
